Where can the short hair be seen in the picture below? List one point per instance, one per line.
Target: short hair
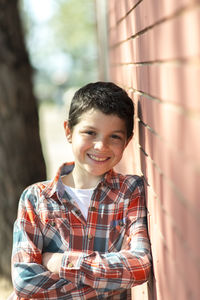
(107, 97)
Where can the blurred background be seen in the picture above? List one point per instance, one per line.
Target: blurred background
(61, 40)
(52, 50)
(151, 48)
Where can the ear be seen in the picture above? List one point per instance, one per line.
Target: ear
(68, 132)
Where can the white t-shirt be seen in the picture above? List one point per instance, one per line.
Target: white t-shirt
(82, 198)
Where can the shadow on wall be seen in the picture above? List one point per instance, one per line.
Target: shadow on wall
(167, 162)
(143, 156)
(159, 231)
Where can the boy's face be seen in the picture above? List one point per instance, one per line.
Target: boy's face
(98, 142)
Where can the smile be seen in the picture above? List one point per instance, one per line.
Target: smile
(96, 158)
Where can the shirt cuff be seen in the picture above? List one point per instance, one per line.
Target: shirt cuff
(70, 266)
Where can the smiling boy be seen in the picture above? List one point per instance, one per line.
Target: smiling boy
(84, 235)
(98, 142)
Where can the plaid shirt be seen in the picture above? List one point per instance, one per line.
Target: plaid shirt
(103, 257)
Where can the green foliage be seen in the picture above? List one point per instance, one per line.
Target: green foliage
(74, 23)
(74, 30)
(63, 45)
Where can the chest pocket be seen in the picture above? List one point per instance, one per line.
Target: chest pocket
(56, 233)
(116, 235)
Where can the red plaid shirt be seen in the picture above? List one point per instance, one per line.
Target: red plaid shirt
(103, 257)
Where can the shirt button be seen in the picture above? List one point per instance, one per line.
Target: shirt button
(93, 208)
(90, 236)
(70, 265)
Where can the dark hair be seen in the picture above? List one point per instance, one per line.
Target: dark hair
(106, 97)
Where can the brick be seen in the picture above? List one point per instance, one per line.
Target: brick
(174, 83)
(130, 4)
(171, 83)
(169, 278)
(166, 8)
(146, 15)
(162, 269)
(121, 32)
(112, 37)
(169, 123)
(128, 162)
(173, 205)
(177, 38)
(193, 271)
(174, 166)
(120, 9)
(112, 20)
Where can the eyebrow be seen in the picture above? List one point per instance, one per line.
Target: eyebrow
(119, 131)
(94, 128)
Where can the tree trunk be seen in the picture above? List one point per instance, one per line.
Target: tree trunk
(21, 158)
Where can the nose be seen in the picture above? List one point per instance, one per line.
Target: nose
(100, 145)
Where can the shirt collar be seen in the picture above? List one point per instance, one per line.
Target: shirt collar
(110, 179)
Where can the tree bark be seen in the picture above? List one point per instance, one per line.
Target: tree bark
(21, 158)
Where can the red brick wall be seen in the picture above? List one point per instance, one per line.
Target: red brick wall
(154, 52)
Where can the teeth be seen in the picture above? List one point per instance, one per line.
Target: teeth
(97, 158)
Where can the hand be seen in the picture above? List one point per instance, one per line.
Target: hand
(52, 261)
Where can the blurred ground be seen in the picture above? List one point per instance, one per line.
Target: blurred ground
(5, 288)
(56, 150)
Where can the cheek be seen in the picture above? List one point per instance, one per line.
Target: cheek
(79, 145)
(119, 151)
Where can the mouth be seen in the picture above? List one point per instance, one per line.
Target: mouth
(98, 158)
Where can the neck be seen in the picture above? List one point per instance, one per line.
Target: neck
(81, 181)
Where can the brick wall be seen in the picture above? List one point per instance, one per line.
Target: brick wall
(154, 48)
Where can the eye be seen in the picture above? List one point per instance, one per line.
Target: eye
(116, 137)
(90, 132)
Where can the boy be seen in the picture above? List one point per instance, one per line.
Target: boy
(83, 235)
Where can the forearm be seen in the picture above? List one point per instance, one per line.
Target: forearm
(115, 270)
(32, 280)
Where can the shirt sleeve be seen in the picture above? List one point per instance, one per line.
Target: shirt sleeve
(30, 278)
(116, 270)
